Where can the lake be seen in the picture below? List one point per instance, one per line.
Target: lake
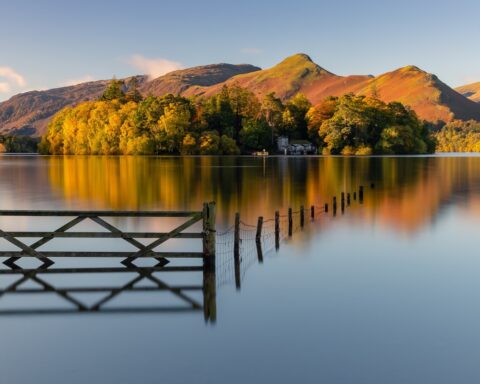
(385, 291)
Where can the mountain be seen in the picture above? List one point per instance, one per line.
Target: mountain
(28, 113)
(472, 91)
(179, 82)
(286, 79)
(433, 100)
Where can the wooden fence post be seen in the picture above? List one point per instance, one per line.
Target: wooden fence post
(277, 230)
(236, 251)
(302, 216)
(209, 294)
(290, 222)
(334, 205)
(312, 212)
(236, 236)
(348, 198)
(360, 194)
(258, 236)
(326, 207)
(355, 195)
(209, 232)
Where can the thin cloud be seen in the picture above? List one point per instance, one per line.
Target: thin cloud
(154, 67)
(4, 87)
(10, 78)
(252, 51)
(83, 79)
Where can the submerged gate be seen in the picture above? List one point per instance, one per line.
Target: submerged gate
(127, 258)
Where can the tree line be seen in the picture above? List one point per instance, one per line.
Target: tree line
(234, 121)
(18, 144)
(459, 136)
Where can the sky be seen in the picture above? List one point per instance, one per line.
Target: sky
(51, 43)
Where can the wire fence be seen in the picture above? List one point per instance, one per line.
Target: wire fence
(252, 250)
(244, 244)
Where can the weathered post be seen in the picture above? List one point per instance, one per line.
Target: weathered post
(209, 272)
(277, 230)
(258, 236)
(302, 216)
(312, 212)
(209, 294)
(334, 205)
(355, 195)
(348, 198)
(326, 207)
(360, 194)
(342, 203)
(290, 222)
(209, 232)
(238, 274)
(259, 252)
(236, 237)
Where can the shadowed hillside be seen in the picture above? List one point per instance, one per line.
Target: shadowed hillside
(472, 91)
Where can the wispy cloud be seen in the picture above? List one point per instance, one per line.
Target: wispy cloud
(154, 67)
(252, 51)
(83, 79)
(9, 78)
(4, 87)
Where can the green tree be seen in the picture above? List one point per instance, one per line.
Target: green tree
(209, 143)
(114, 91)
(272, 109)
(255, 134)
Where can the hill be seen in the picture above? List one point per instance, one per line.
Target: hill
(179, 82)
(28, 113)
(432, 99)
(472, 91)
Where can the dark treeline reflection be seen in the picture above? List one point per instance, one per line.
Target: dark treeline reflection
(409, 191)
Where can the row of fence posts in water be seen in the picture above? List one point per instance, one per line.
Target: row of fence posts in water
(345, 200)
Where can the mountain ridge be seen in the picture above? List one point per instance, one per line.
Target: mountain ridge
(433, 100)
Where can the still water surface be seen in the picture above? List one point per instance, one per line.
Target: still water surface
(386, 292)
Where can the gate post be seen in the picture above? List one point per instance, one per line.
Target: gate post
(209, 232)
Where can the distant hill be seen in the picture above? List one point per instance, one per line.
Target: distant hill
(182, 81)
(433, 100)
(472, 91)
(28, 113)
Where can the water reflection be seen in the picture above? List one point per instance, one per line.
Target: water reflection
(410, 191)
(42, 286)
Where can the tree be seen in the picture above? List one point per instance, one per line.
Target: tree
(209, 143)
(189, 145)
(272, 109)
(318, 114)
(114, 91)
(295, 116)
(133, 93)
(255, 134)
(228, 146)
(171, 128)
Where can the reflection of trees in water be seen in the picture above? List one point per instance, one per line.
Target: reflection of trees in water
(410, 190)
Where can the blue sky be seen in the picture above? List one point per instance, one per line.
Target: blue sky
(50, 43)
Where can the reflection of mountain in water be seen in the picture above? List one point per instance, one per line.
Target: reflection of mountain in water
(410, 191)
